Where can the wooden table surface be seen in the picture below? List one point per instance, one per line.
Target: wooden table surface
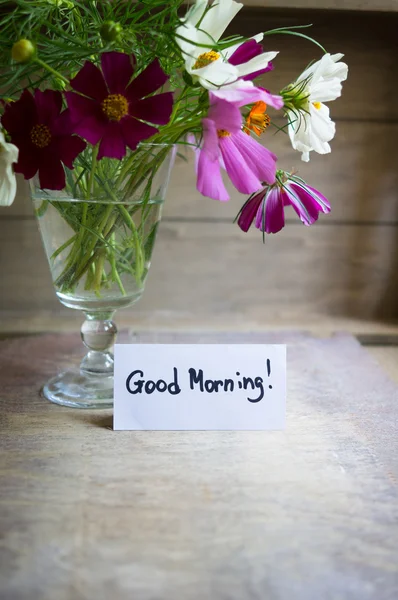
(310, 513)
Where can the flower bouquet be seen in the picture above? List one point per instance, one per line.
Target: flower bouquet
(96, 98)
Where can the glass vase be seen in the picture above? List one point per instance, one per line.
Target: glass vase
(99, 248)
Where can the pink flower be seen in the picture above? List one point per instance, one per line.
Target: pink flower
(113, 107)
(267, 207)
(247, 163)
(242, 92)
(43, 135)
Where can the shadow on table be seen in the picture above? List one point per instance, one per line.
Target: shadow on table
(93, 418)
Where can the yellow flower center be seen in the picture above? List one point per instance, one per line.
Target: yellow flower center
(115, 107)
(223, 133)
(318, 105)
(206, 59)
(40, 136)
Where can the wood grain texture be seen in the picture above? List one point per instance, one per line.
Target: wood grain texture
(362, 5)
(306, 513)
(214, 269)
(342, 270)
(369, 44)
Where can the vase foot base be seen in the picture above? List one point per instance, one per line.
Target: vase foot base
(76, 390)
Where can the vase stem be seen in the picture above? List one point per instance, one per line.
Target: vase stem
(98, 333)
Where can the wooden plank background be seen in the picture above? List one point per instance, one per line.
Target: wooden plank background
(204, 267)
(366, 5)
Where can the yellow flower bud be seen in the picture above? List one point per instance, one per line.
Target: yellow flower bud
(23, 51)
(110, 31)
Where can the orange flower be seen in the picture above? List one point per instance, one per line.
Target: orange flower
(257, 120)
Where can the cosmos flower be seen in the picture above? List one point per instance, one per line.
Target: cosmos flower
(198, 35)
(43, 135)
(112, 110)
(310, 126)
(224, 145)
(267, 207)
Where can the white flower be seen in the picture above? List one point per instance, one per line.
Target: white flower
(201, 30)
(310, 126)
(8, 184)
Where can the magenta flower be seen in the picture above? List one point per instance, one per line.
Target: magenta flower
(114, 106)
(267, 206)
(245, 54)
(44, 137)
(247, 163)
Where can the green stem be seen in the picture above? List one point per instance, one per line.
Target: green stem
(51, 70)
(112, 260)
(99, 267)
(139, 259)
(63, 247)
(92, 172)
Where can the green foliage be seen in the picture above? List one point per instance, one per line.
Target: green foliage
(68, 32)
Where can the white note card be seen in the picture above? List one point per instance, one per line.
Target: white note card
(199, 387)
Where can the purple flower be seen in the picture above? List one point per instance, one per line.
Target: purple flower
(224, 145)
(114, 105)
(267, 206)
(43, 134)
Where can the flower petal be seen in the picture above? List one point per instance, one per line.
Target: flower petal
(209, 182)
(90, 81)
(322, 128)
(112, 143)
(326, 90)
(155, 109)
(68, 148)
(257, 64)
(224, 114)
(328, 67)
(81, 107)
(245, 92)
(322, 201)
(215, 74)
(62, 125)
(48, 105)
(148, 81)
(192, 42)
(273, 220)
(245, 52)
(87, 118)
(28, 160)
(51, 171)
(91, 129)
(306, 202)
(249, 211)
(261, 160)
(255, 74)
(135, 132)
(210, 139)
(228, 52)
(303, 203)
(20, 116)
(238, 169)
(218, 17)
(8, 184)
(118, 69)
(196, 12)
